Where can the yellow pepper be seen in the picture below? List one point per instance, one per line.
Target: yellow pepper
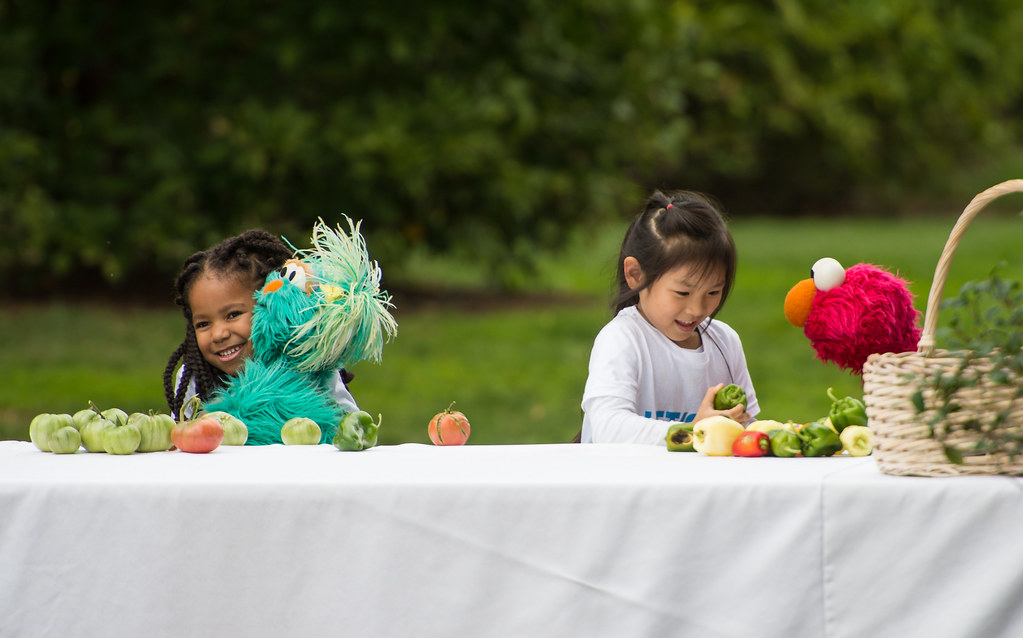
(714, 435)
(766, 425)
(857, 440)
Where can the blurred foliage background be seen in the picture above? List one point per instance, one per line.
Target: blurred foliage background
(132, 134)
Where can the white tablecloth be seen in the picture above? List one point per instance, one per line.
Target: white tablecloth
(517, 541)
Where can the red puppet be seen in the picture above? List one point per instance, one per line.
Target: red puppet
(849, 314)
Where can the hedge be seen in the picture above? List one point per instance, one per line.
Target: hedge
(132, 134)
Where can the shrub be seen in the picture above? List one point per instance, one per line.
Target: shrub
(132, 135)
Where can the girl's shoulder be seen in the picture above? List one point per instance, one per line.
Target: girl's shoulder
(628, 315)
(628, 320)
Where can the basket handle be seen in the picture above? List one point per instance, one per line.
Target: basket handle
(926, 343)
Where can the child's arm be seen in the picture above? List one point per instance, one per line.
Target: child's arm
(189, 393)
(342, 395)
(610, 399)
(614, 420)
(611, 419)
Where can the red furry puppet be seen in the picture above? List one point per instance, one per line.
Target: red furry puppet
(849, 314)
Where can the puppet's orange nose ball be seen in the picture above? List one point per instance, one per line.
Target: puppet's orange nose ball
(274, 285)
(797, 302)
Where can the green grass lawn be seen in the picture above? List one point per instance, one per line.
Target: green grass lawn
(516, 372)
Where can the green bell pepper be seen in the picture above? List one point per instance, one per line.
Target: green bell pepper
(785, 443)
(819, 440)
(680, 437)
(729, 396)
(357, 431)
(846, 411)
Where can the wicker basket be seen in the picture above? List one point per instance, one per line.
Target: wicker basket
(903, 442)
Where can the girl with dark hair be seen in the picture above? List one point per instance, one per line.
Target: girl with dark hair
(663, 357)
(215, 291)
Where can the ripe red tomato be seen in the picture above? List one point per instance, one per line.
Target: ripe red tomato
(199, 436)
(449, 427)
(751, 443)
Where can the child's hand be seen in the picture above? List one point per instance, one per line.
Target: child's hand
(737, 413)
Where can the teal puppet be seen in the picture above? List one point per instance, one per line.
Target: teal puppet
(322, 312)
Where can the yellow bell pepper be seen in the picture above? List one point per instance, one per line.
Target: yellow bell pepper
(714, 435)
(766, 425)
(857, 440)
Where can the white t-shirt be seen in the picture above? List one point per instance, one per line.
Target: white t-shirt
(640, 381)
(338, 390)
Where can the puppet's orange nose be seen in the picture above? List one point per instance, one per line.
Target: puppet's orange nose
(273, 286)
(797, 302)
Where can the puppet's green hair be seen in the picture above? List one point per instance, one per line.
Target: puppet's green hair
(351, 320)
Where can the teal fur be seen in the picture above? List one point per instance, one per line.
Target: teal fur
(265, 395)
(275, 318)
(300, 340)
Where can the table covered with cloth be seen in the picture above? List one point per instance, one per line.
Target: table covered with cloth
(503, 540)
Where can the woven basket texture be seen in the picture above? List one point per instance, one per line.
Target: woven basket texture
(904, 441)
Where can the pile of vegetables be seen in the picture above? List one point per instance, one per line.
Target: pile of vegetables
(843, 430)
(114, 431)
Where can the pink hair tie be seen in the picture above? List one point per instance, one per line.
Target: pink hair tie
(667, 207)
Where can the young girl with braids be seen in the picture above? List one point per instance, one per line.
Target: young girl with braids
(215, 291)
(663, 356)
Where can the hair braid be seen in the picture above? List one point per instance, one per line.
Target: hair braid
(250, 256)
(168, 379)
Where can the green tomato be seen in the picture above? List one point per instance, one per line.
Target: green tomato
(92, 434)
(154, 430)
(121, 439)
(82, 417)
(117, 416)
(44, 425)
(235, 430)
(301, 431)
(66, 440)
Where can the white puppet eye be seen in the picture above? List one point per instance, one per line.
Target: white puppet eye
(298, 274)
(827, 273)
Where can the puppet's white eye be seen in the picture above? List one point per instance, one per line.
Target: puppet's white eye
(297, 273)
(827, 273)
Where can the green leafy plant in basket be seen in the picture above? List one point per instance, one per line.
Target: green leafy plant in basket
(985, 337)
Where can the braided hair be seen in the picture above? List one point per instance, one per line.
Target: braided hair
(250, 256)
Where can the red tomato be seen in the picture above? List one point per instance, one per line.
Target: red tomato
(449, 427)
(751, 443)
(199, 436)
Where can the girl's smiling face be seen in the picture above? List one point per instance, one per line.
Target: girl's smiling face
(222, 318)
(677, 302)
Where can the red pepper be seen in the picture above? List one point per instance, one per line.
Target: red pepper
(751, 443)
